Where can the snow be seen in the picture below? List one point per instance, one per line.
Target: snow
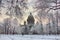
(29, 37)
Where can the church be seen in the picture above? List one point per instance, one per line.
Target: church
(29, 27)
(29, 24)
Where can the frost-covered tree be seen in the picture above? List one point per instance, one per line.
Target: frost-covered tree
(20, 10)
(10, 25)
(45, 6)
(7, 25)
(16, 8)
(0, 1)
(0, 5)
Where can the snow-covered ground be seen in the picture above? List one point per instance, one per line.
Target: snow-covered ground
(29, 37)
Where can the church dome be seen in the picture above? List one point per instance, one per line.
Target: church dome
(30, 19)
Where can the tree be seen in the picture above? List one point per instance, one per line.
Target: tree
(0, 6)
(7, 25)
(20, 10)
(46, 5)
(0, 2)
